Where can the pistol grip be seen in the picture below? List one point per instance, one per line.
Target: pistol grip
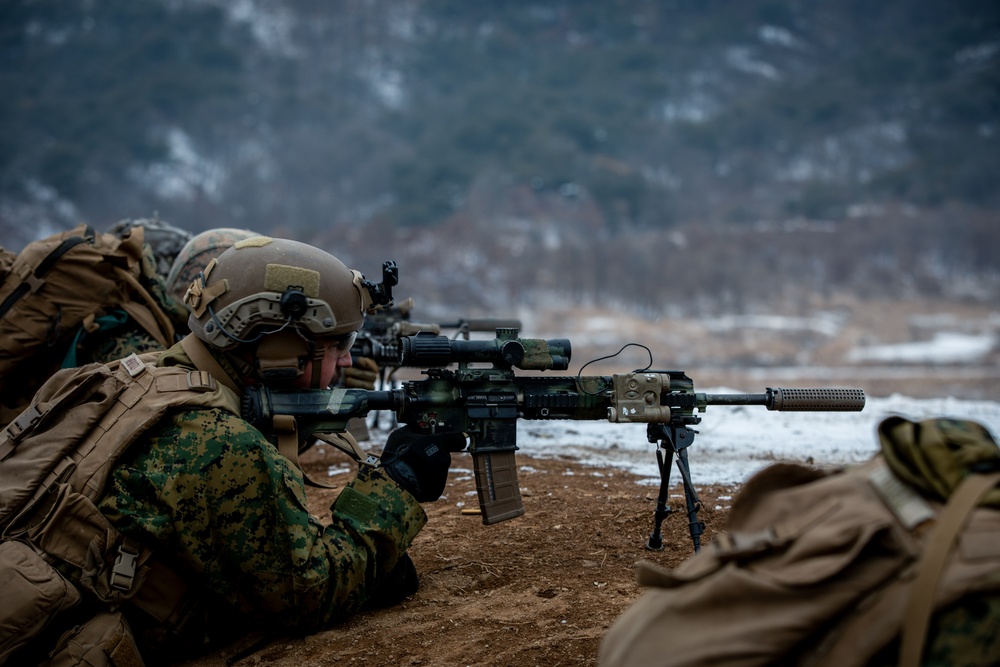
(496, 486)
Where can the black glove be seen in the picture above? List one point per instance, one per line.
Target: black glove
(419, 462)
(396, 586)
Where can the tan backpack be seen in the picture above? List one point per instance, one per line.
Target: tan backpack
(55, 458)
(827, 568)
(54, 287)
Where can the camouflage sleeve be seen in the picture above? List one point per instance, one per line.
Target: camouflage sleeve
(216, 498)
(967, 633)
(105, 347)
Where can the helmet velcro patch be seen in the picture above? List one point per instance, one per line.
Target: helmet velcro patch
(279, 277)
(254, 242)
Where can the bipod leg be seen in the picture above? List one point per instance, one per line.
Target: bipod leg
(664, 460)
(691, 499)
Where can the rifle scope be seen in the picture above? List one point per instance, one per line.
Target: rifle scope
(429, 350)
(367, 346)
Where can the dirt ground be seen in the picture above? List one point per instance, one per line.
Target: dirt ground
(540, 589)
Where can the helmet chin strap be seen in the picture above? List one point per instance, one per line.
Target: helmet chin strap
(278, 357)
(318, 354)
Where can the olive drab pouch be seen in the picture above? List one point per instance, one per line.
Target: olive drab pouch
(815, 568)
(58, 286)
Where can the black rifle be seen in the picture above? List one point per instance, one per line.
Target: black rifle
(380, 336)
(383, 330)
(483, 398)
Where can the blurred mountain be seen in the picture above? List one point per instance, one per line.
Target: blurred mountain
(634, 150)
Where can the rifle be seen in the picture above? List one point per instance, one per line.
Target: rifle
(383, 330)
(483, 398)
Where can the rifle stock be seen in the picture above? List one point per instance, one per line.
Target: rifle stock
(483, 398)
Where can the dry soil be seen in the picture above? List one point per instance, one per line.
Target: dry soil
(540, 589)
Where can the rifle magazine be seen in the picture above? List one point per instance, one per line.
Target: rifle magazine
(497, 486)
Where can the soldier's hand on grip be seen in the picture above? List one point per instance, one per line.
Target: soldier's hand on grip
(419, 462)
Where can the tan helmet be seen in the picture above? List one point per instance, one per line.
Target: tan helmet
(197, 253)
(280, 296)
(262, 284)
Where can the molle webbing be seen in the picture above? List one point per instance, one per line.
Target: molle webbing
(62, 519)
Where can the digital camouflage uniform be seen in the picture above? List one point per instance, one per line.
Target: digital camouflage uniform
(214, 498)
(967, 634)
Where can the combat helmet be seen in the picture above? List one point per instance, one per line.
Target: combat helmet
(281, 297)
(197, 253)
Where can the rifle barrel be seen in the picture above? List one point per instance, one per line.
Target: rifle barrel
(489, 324)
(796, 400)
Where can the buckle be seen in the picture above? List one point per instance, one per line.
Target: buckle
(730, 546)
(123, 572)
(200, 381)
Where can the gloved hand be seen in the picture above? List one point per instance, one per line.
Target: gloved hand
(361, 375)
(419, 462)
(396, 586)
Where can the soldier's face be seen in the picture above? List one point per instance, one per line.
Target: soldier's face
(335, 357)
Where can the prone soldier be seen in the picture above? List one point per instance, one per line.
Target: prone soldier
(192, 524)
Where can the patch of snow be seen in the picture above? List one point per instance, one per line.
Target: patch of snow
(944, 347)
(734, 442)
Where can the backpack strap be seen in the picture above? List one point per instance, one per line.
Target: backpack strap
(950, 523)
(204, 360)
(286, 431)
(32, 281)
(904, 605)
(148, 314)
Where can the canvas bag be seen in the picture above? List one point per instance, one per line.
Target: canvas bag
(809, 558)
(55, 458)
(59, 284)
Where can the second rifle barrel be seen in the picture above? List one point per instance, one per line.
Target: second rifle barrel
(484, 324)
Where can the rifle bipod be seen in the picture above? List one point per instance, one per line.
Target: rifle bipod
(672, 440)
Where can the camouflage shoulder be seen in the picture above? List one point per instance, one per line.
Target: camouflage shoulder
(124, 342)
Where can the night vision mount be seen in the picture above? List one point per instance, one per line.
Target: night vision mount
(381, 293)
